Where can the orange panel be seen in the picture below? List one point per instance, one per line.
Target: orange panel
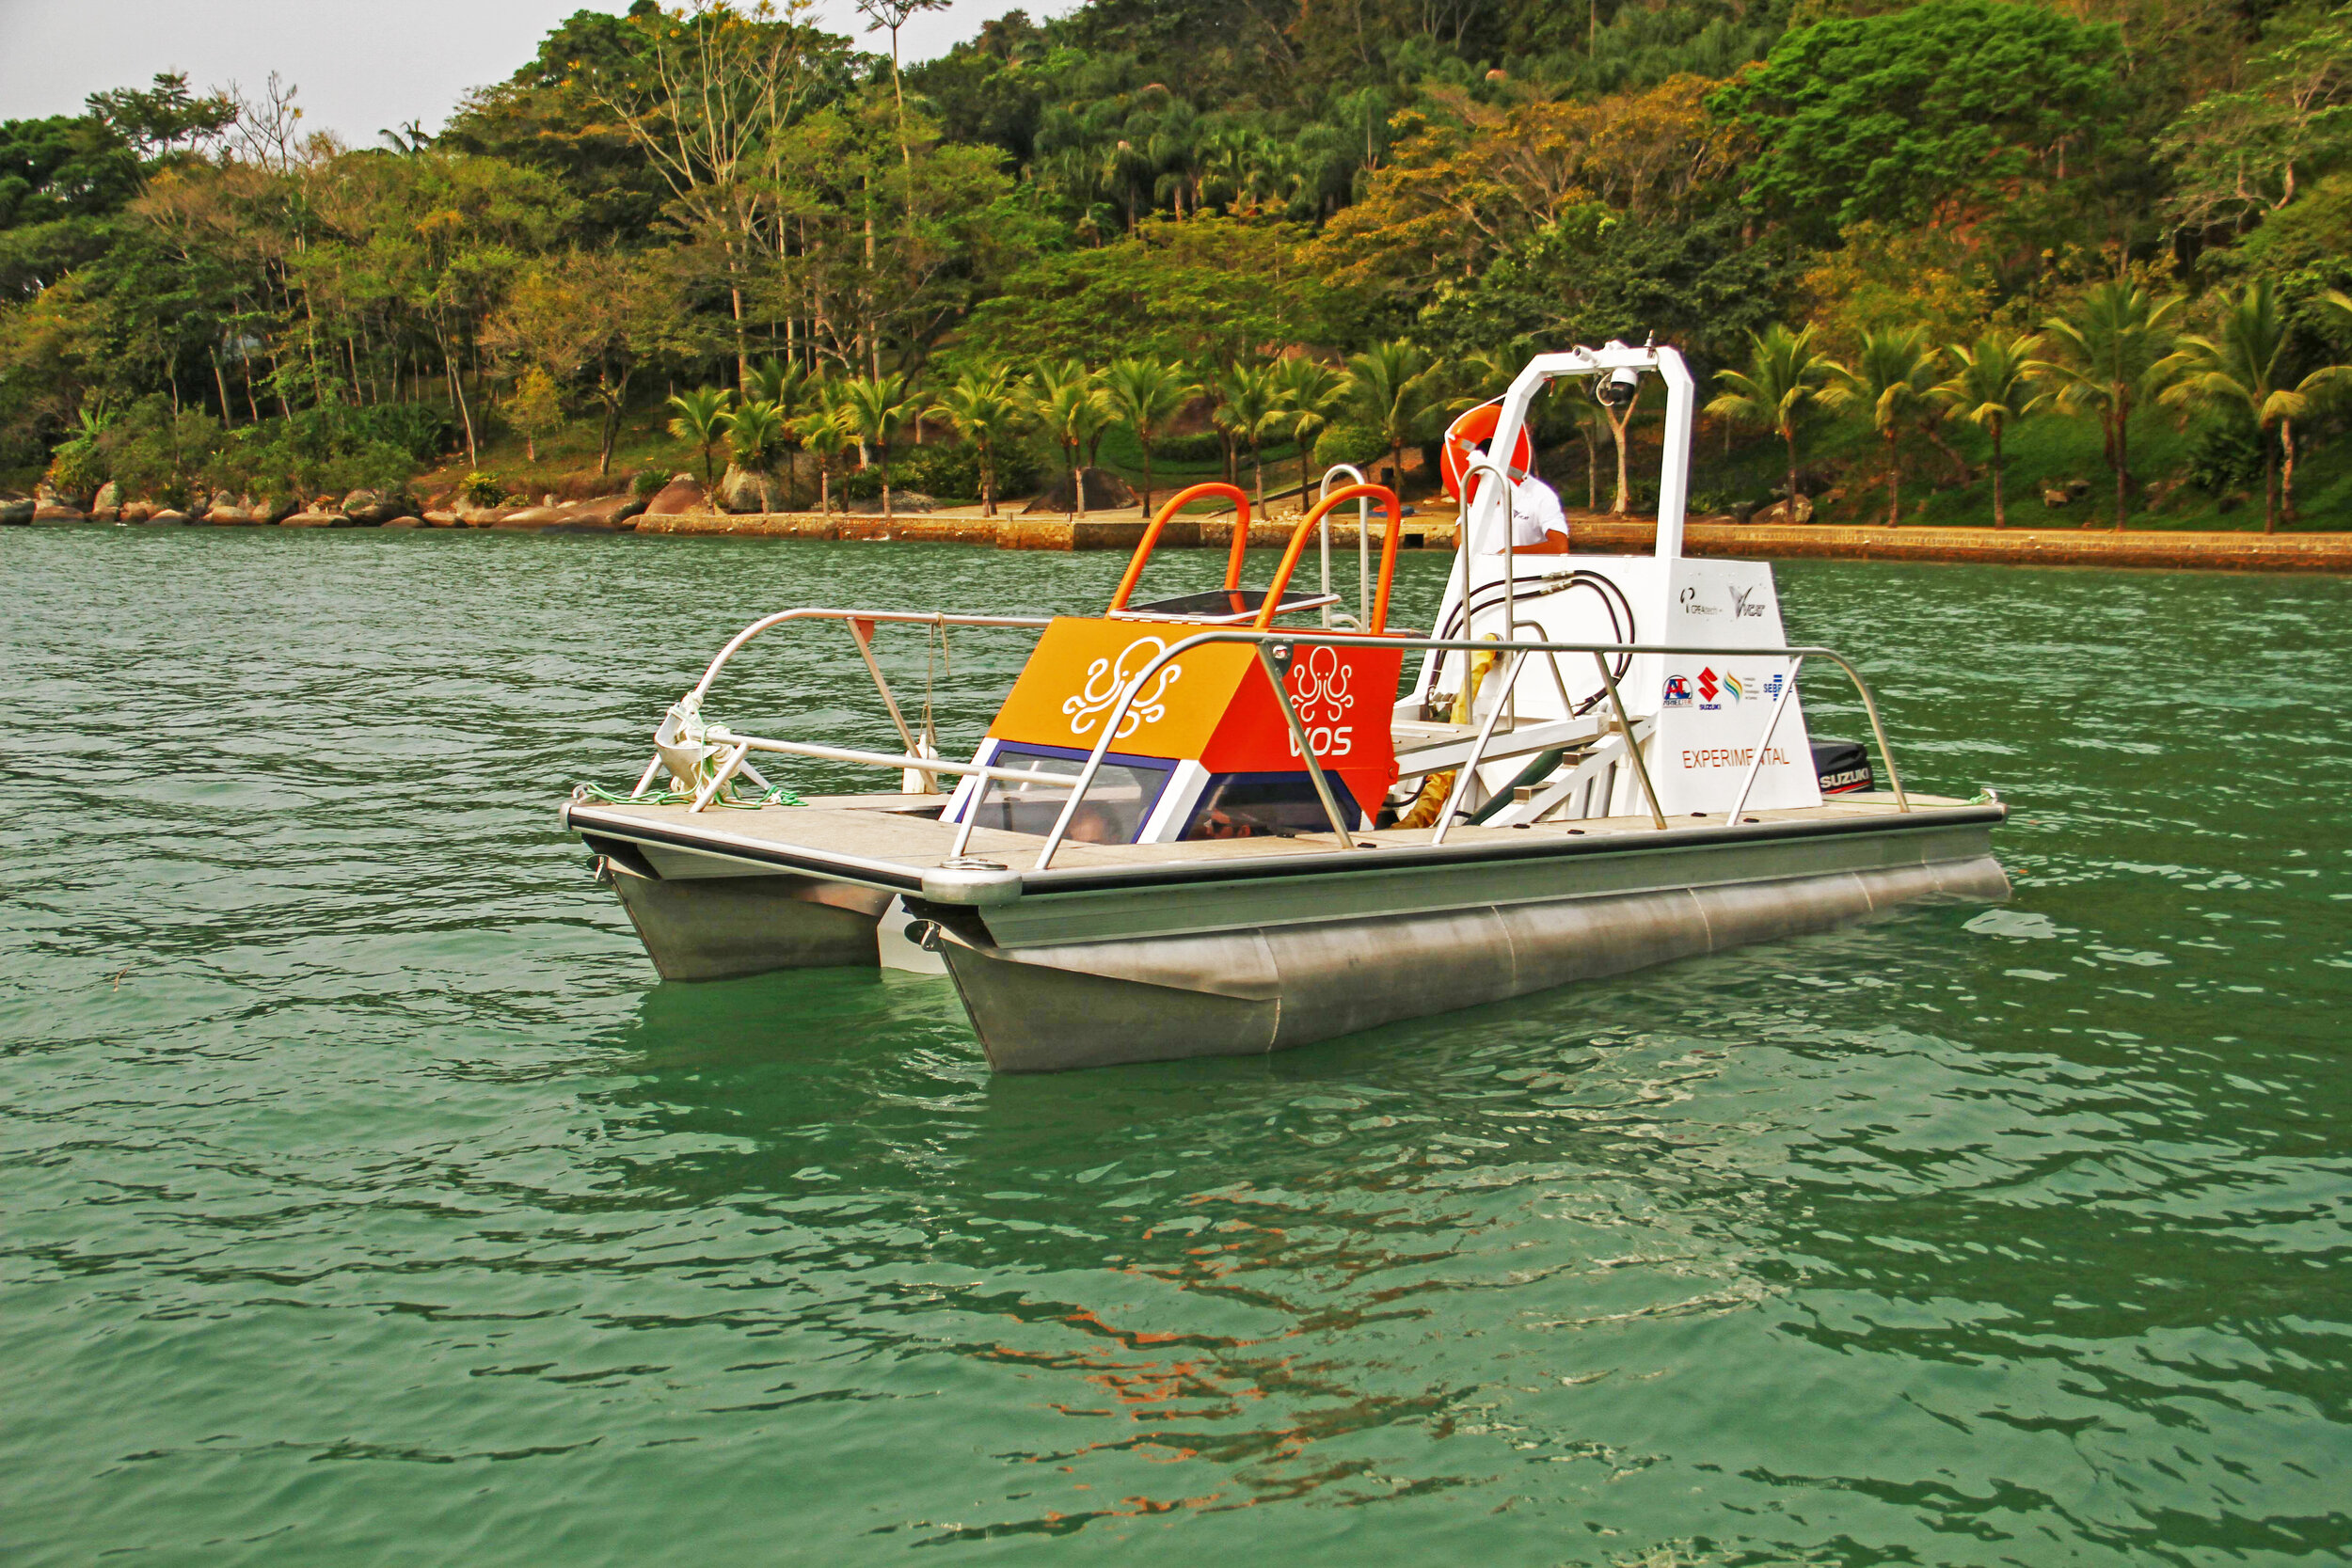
(1345, 699)
(1066, 691)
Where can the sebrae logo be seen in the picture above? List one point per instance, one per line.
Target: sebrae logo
(1107, 677)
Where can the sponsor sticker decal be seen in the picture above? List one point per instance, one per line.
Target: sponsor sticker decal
(1744, 603)
(1690, 606)
(1678, 692)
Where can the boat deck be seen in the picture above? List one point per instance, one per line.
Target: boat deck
(893, 841)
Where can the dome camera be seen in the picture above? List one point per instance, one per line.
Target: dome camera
(1616, 389)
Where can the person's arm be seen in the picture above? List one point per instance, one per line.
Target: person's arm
(1545, 504)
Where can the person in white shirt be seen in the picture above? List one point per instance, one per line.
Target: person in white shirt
(1538, 524)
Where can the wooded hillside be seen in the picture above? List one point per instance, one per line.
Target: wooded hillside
(1910, 250)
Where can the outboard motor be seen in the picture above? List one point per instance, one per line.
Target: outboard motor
(1844, 767)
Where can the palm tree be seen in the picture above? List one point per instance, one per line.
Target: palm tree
(1890, 378)
(1994, 386)
(780, 382)
(2113, 353)
(1784, 375)
(756, 436)
(702, 417)
(1067, 400)
(1394, 386)
(876, 408)
(1248, 403)
(1146, 393)
(1307, 392)
(824, 432)
(2238, 369)
(985, 410)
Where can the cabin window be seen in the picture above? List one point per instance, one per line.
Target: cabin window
(1116, 804)
(1260, 805)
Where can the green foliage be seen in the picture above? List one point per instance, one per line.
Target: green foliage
(78, 468)
(986, 409)
(1894, 116)
(948, 472)
(757, 438)
(647, 483)
(1785, 376)
(480, 489)
(1207, 290)
(1993, 388)
(1393, 389)
(1349, 441)
(2226, 454)
(702, 415)
(2109, 355)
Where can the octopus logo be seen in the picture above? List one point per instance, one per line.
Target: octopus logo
(1107, 677)
(1319, 685)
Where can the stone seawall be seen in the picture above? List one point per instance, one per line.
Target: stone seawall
(2017, 546)
(2156, 548)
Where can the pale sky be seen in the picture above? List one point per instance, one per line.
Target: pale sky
(362, 64)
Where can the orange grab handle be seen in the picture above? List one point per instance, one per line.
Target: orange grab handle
(1461, 444)
(1176, 502)
(1380, 493)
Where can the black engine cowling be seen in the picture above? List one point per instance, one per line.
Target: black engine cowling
(1844, 767)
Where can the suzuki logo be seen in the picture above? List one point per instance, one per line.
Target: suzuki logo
(1107, 677)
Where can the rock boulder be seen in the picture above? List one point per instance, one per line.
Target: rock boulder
(372, 508)
(605, 510)
(17, 511)
(57, 512)
(743, 491)
(317, 519)
(676, 499)
(1104, 492)
(166, 516)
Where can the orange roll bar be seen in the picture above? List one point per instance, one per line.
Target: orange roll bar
(1175, 504)
(1299, 544)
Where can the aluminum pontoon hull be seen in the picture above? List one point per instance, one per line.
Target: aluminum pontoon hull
(1127, 955)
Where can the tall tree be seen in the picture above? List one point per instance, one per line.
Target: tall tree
(1248, 402)
(1889, 380)
(1307, 391)
(1785, 375)
(2241, 368)
(713, 86)
(1146, 392)
(1993, 388)
(1393, 388)
(983, 407)
(702, 415)
(894, 14)
(824, 434)
(1067, 401)
(2108, 355)
(876, 408)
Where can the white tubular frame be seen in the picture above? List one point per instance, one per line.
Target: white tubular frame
(1363, 541)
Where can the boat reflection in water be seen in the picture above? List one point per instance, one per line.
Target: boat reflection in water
(1198, 827)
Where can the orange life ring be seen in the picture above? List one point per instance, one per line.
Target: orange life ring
(1464, 437)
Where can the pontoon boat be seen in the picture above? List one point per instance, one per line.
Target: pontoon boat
(1233, 822)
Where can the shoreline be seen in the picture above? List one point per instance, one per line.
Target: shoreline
(2149, 549)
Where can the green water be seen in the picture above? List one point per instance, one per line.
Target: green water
(364, 1201)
